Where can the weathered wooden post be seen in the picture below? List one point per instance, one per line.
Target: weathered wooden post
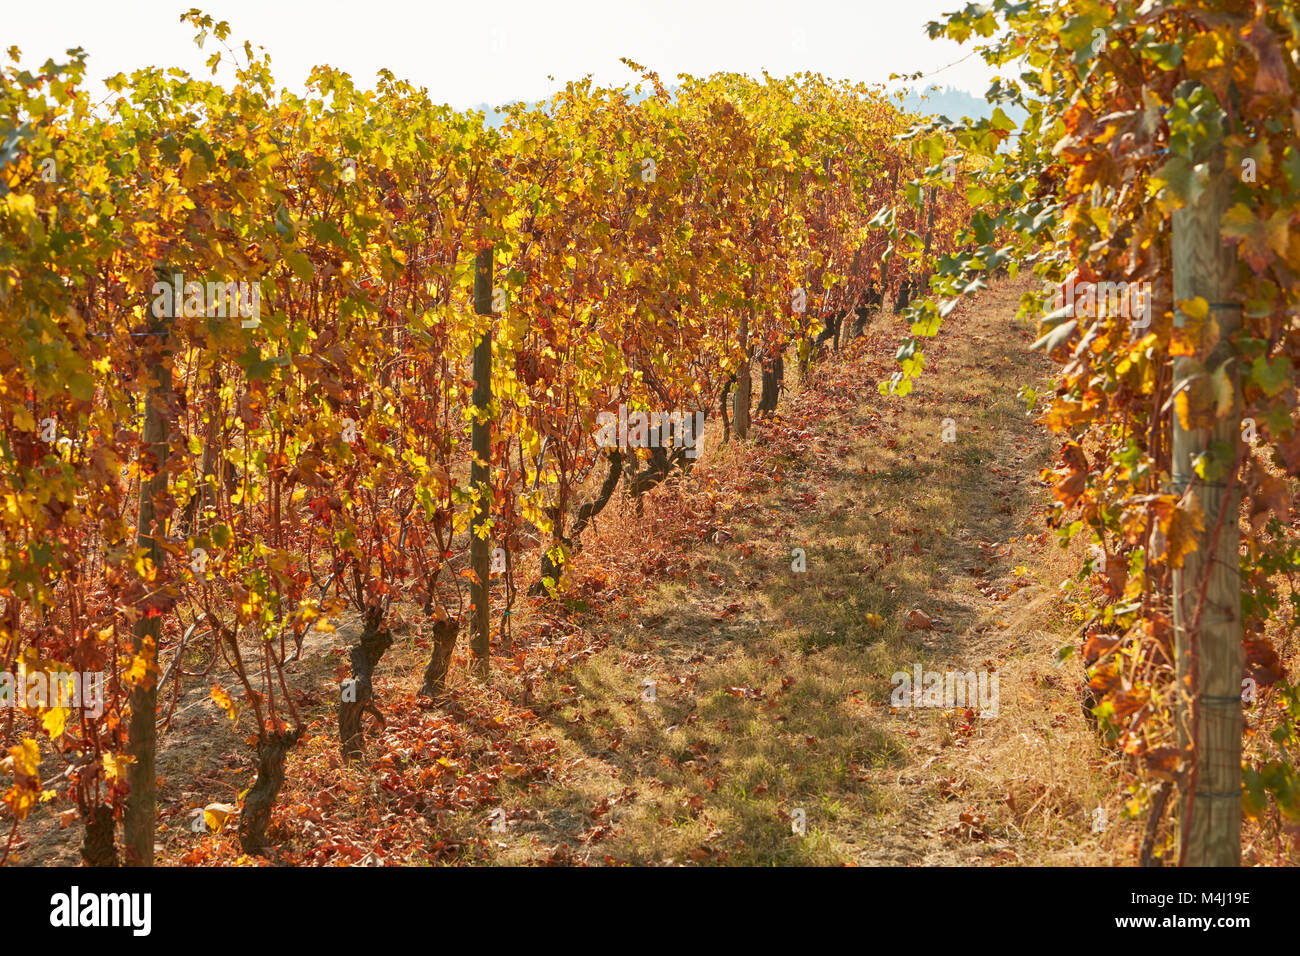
(929, 230)
(1207, 588)
(139, 818)
(480, 472)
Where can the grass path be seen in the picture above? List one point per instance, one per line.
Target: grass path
(735, 698)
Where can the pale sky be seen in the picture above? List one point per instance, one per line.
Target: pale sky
(495, 51)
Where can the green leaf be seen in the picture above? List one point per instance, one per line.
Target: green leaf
(1271, 376)
(1001, 121)
(1165, 56)
(300, 265)
(1173, 184)
(82, 386)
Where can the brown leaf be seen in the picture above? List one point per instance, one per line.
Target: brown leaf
(1163, 762)
(918, 620)
(1116, 575)
(1095, 647)
(1272, 76)
(1262, 662)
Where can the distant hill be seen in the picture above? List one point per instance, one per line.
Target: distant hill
(935, 100)
(495, 116)
(954, 104)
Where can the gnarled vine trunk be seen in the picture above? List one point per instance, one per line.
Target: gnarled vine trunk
(773, 376)
(726, 422)
(553, 569)
(256, 814)
(831, 332)
(442, 637)
(904, 296)
(744, 384)
(358, 693)
(97, 847)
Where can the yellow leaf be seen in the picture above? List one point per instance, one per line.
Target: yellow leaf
(144, 566)
(223, 700)
(26, 758)
(1205, 52)
(115, 766)
(1188, 337)
(215, 815)
(20, 800)
(1196, 308)
(54, 721)
(138, 672)
(196, 169)
(1182, 530)
(1182, 410)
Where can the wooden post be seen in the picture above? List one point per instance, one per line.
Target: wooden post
(893, 201)
(921, 285)
(139, 820)
(744, 383)
(480, 475)
(929, 227)
(1207, 589)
